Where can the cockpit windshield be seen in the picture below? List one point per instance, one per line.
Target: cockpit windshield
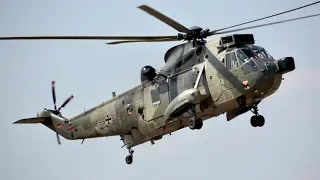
(245, 54)
(246, 58)
(249, 53)
(253, 52)
(261, 52)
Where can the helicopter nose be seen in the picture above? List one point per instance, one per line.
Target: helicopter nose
(285, 65)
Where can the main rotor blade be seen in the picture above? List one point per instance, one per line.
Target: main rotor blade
(268, 16)
(266, 24)
(90, 37)
(122, 42)
(53, 94)
(164, 18)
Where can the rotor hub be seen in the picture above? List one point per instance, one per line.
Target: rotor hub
(195, 29)
(196, 34)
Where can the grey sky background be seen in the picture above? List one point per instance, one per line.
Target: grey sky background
(287, 147)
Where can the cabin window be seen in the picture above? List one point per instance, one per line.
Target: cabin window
(173, 88)
(155, 96)
(163, 87)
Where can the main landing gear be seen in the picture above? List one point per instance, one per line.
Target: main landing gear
(129, 158)
(194, 122)
(256, 120)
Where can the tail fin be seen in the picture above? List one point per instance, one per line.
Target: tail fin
(33, 120)
(54, 122)
(52, 118)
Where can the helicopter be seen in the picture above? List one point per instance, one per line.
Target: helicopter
(201, 79)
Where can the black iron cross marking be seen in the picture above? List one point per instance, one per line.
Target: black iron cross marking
(108, 119)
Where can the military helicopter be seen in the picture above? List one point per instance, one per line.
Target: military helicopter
(201, 79)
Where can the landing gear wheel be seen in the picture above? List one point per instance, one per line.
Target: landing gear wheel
(129, 159)
(257, 120)
(195, 123)
(260, 120)
(253, 121)
(192, 123)
(199, 123)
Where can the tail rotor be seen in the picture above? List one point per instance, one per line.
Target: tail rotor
(56, 110)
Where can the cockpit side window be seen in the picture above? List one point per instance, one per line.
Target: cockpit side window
(241, 57)
(246, 63)
(231, 61)
(228, 62)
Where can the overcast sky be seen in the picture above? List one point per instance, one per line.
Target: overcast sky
(287, 147)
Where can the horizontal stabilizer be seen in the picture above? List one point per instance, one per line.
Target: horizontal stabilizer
(34, 120)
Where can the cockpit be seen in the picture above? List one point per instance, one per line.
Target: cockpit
(246, 57)
(241, 53)
(261, 52)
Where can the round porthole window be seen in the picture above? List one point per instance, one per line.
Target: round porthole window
(129, 109)
(199, 51)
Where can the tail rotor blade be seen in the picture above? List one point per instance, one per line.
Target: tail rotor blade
(53, 94)
(65, 102)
